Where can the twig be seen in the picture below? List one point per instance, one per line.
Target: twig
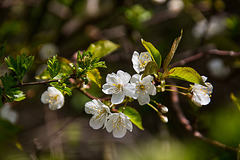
(35, 83)
(93, 97)
(202, 54)
(185, 122)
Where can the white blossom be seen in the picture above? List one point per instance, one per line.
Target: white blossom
(99, 111)
(118, 123)
(140, 61)
(53, 97)
(118, 86)
(143, 87)
(201, 94)
(8, 114)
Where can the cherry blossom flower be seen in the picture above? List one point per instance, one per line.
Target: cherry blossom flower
(118, 86)
(118, 123)
(99, 111)
(143, 88)
(140, 61)
(53, 97)
(201, 94)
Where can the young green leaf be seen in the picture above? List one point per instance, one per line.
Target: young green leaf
(20, 66)
(102, 48)
(185, 73)
(155, 54)
(62, 88)
(134, 116)
(172, 52)
(66, 69)
(53, 66)
(94, 75)
(151, 68)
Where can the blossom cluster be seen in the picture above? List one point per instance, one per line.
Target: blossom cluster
(121, 85)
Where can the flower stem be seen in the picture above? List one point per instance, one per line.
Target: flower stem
(155, 109)
(171, 90)
(180, 87)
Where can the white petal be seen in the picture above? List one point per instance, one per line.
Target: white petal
(45, 97)
(118, 98)
(201, 99)
(109, 123)
(129, 90)
(135, 78)
(124, 77)
(135, 61)
(95, 123)
(90, 107)
(151, 89)
(129, 125)
(147, 79)
(119, 133)
(143, 99)
(204, 78)
(135, 57)
(53, 106)
(107, 89)
(112, 78)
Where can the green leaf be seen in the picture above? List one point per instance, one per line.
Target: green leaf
(235, 100)
(53, 66)
(151, 68)
(20, 66)
(66, 69)
(185, 73)
(94, 75)
(62, 88)
(8, 81)
(15, 95)
(102, 48)
(155, 54)
(10, 92)
(134, 116)
(172, 52)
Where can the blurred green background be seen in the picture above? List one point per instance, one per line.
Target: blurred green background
(46, 27)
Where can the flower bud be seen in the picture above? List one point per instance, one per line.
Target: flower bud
(164, 118)
(164, 109)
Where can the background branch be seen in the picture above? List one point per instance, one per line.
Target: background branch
(203, 54)
(188, 127)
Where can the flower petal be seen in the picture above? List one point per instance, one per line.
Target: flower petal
(119, 133)
(96, 123)
(45, 97)
(143, 99)
(118, 98)
(124, 77)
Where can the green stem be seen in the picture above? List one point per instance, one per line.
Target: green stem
(184, 88)
(154, 102)
(155, 109)
(171, 90)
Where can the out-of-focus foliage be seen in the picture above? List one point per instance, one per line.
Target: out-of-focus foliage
(71, 25)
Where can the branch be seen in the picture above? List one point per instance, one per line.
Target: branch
(188, 127)
(93, 97)
(35, 83)
(203, 54)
